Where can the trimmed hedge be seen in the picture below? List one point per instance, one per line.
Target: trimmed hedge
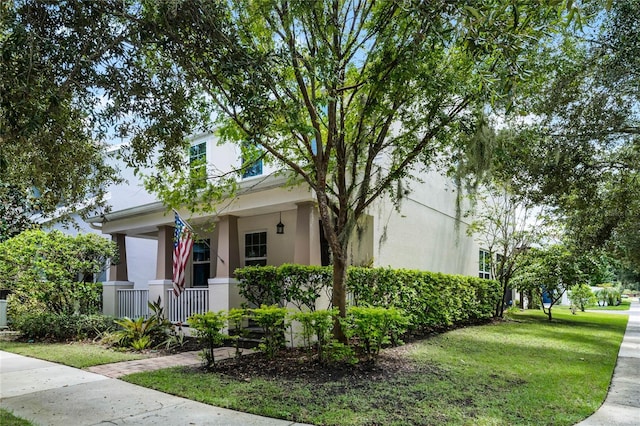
(430, 300)
(300, 285)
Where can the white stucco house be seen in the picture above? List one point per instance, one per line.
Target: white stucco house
(421, 233)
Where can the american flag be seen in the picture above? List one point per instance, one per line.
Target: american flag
(182, 244)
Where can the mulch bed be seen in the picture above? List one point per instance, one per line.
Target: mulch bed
(302, 364)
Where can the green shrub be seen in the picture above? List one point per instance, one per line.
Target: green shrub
(209, 327)
(272, 319)
(429, 300)
(260, 285)
(337, 352)
(581, 296)
(62, 327)
(303, 284)
(316, 329)
(46, 272)
(142, 333)
(300, 285)
(613, 297)
(235, 319)
(142, 343)
(176, 338)
(132, 330)
(373, 327)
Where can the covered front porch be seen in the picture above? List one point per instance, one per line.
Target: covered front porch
(243, 233)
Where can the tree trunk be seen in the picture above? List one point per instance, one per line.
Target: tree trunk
(500, 305)
(339, 297)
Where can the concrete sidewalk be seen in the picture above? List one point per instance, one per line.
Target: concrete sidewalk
(51, 394)
(622, 405)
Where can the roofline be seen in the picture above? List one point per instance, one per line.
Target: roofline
(273, 180)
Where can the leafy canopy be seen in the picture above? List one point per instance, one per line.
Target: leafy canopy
(579, 150)
(54, 60)
(548, 273)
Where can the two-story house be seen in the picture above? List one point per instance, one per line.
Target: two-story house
(270, 223)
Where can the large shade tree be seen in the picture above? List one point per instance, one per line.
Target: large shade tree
(350, 97)
(64, 63)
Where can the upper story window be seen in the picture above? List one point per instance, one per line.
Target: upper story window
(198, 154)
(484, 264)
(254, 170)
(251, 160)
(255, 249)
(198, 164)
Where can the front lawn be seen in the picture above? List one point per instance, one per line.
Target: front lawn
(522, 371)
(74, 354)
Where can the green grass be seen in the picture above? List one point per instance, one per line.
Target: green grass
(79, 355)
(8, 419)
(523, 371)
(624, 306)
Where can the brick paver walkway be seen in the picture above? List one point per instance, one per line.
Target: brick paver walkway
(120, 369)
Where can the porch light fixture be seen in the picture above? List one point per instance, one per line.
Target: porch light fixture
(280, 226)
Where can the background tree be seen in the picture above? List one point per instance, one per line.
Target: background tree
(14, 212)
(579, 148)
(506, 227)
(351, 97)
(53, 272)
(581, 296)
(548, 273)
(54, 58)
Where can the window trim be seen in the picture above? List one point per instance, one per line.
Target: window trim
(202, 154)
(484, 264)
(266, 244)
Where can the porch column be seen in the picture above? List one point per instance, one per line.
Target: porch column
(306, 252)
(164, 268)
(307, 244)
(223, 289)
(164, 264)
(118, 271)
(118, 278)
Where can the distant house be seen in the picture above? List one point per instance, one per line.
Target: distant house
(421, 233)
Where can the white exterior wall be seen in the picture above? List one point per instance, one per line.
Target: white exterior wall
(422, 233)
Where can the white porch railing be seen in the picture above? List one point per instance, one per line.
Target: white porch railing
(133, 303)
(191, 301)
